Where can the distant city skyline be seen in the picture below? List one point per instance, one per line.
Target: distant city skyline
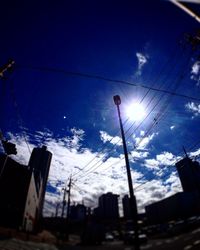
(71, 58)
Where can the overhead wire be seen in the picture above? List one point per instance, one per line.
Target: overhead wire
(171, 165)
(154, 81)
(154, 123)
(20, 122)
(79, 74)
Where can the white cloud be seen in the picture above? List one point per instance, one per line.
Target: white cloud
(98, 177)
(105, 137)
(138, 154)
(193, 107)
(142, 60)
(195, 153)
(164, 159)
(151, 164)
(150, 192)
(69, 158)
(195, 72)
(172, 127)
(174, 183)
(155, 190)
(142, 142)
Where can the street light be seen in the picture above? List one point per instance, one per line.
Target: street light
(133, 204)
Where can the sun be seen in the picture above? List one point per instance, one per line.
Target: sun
(135, 111)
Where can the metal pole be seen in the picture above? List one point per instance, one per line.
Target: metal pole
(133, 204)
(63, 202)
(68, 207)
(68, 202)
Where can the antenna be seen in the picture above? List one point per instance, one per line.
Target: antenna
(185, 152)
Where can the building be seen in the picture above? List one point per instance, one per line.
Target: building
(19, 199)
(39, 163)
(78, 212)
(22, 190)
(108, 206)
(178, 206)
(189, 174)
(126, 207)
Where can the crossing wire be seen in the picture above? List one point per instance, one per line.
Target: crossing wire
(172, 165)
(154, 81)
(97, 77)
(154, 123)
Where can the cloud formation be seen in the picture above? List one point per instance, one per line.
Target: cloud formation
(195, 72)
(193, 107)
(163, 159)
(142, 60)
(91, 175)
(105, 137)
(142, 141)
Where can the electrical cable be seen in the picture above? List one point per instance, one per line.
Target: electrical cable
(79, 74)
(155, 121)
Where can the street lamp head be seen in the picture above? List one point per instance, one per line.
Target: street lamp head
(117, 100)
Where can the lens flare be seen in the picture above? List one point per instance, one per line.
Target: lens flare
(135, 111)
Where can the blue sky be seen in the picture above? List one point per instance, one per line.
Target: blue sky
(140, 42)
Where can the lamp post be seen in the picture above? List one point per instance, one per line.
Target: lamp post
(133, 204)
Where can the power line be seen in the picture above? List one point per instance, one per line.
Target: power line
(172, 165)
(18, 115)
(97, 77)
(159, 115)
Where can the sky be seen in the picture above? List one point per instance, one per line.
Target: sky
(71, 58)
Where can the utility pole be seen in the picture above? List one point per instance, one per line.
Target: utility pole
(63, 202)
(69, 194)
(133, 204)
(57, 207)
(68, 207)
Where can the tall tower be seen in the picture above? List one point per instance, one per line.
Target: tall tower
(189, 174)
(126, 207)
(108, 205)
(39, 163)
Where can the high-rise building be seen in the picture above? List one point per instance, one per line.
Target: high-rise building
(22, 189)
(189, 174)
(18, 195)
(108, 206)
(39, 163)
(126, 207)
(176, 207)
(78, 212)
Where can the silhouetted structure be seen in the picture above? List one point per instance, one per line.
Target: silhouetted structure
(22, 190)
(189, 173)
(178, 206)
(39, 163)
(126, 207)
(78, 212)
(19, 200)
(108, 208)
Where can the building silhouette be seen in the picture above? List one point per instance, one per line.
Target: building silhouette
(178, 206)
(18, 195)
(182, 204)
(78, 212)
(22, 190)
(108, 208)
(126, 207)
(39, 164)
(189, 174)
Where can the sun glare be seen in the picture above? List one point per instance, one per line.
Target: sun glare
(135, 111)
